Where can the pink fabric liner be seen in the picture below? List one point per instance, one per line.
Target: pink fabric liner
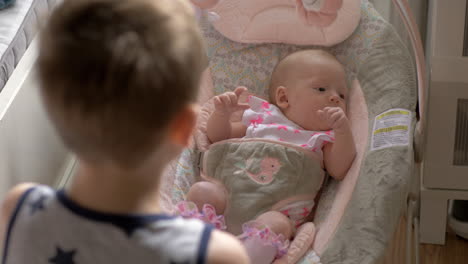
(358, 115)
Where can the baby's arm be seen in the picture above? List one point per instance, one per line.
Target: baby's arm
(338, 156)
(219, 125)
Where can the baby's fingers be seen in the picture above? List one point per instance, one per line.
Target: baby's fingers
(218, 104)
(239, 90)
(335, 116)
(242, 107)
(331, 110)
(217, 101)
(233, 99)
(321, 114)
(226, 99)
(339, 120)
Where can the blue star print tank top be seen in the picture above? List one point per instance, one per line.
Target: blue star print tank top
(48, 227)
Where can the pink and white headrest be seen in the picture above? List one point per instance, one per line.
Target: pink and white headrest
(299, 22)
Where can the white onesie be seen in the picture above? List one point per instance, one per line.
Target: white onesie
(265, 120)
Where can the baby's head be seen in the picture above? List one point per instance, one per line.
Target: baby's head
(118, 78)
(307, 81)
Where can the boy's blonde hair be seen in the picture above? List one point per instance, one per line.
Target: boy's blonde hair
(114, 73)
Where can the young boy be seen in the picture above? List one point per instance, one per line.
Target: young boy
(118, 78)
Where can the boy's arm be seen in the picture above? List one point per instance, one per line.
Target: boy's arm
(8, 206)
(339, 156)
(219, 126)
(224, 248)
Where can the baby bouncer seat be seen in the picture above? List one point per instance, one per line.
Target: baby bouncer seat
(355, 218)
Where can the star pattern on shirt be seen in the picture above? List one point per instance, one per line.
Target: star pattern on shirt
(38, 204)
(63, 257)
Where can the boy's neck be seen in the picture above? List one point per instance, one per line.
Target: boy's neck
(109, 190)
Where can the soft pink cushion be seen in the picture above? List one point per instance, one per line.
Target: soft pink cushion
(280, 21)
(358, 116)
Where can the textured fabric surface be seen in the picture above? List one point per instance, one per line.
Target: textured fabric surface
(18, 26)
(376, 56)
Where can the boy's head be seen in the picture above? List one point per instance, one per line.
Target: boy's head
(119, 76)
(307, 81)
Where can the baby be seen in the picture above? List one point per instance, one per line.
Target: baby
(307, 109)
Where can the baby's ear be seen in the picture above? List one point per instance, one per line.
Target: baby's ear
(181, 126)
(281, 97)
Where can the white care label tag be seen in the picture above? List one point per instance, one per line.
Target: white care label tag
(391, 128)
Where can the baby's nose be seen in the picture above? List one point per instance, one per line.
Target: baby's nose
(334, 99)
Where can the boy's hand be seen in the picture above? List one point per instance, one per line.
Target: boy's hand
(335, 118)
(228, 103)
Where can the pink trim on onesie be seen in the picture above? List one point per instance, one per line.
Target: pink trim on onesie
(265, 120)
(188, 209)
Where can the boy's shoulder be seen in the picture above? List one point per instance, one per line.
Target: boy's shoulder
(224, 248)
(9, 203)
(11, 200)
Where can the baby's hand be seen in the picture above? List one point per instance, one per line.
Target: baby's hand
(228, 103)
(335, 118)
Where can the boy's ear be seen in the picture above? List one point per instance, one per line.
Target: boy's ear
(181, 127)
(281, 97)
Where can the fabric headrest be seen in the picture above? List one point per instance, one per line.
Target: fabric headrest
(299, 22)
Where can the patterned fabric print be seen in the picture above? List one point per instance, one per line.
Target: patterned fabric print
(269, 166)
(265, 120)
(233, 64)
(185, 175)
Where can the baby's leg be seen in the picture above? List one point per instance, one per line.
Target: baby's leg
(277, 222)
(261, 237)
(205, 201)
(205, 192)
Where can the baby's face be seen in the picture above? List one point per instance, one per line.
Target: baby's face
(315, 85)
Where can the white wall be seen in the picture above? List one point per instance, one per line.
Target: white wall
(29, 147)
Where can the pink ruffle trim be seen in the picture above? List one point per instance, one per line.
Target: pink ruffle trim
(256, 229)
(189, 209)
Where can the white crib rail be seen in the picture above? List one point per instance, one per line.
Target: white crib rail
(29, 147)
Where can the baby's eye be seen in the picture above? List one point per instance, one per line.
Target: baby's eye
(321, 89)
(342, 96)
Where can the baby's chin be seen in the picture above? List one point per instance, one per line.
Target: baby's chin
(317, 126)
